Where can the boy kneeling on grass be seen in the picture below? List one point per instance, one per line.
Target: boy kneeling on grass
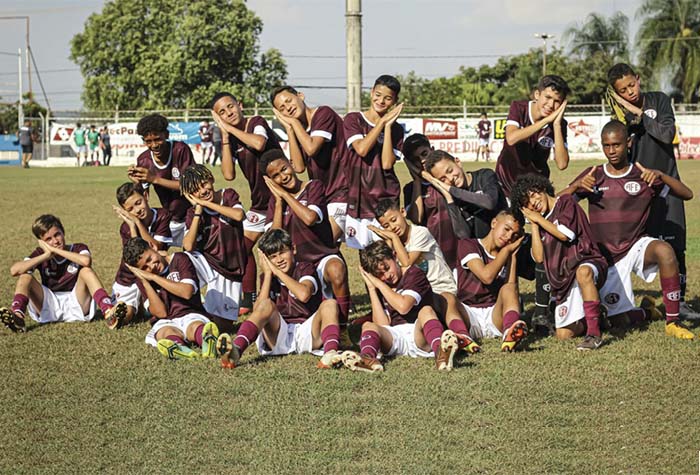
(169, 285)
(69, 286)
(296, 321)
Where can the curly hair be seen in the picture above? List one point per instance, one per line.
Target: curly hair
(526, 184)
(372, 256)
(194, 177)
(133, 250)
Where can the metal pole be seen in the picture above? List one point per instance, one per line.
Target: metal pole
(544, 56)
(20, 110)
(29, 63)
(353, 45)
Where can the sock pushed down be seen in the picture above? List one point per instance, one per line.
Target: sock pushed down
(246, 335)
(432, 331)
(591, 311)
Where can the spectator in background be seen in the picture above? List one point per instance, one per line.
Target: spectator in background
(93, 137)
(27, 136)
(207, 145)
(483, 128)
(216, 139)
(105, 145)
(79, 139)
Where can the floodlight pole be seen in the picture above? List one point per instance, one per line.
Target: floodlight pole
(20, 109)
(353, 47)
(29, 67)
(544, 37)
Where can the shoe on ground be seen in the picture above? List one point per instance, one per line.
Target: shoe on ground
(467, 344)
(678, 330)
(513, 336)
(648, 304)
(230, 355)
(115, 316)
(330, 359)
(541, 324)
(210, 337)
(12, 320)
(175, 351)
(357, 362)
(590, 342)
(688, 313)
(449, 345)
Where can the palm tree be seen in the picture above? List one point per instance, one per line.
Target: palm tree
(600, 35)
(669, 39)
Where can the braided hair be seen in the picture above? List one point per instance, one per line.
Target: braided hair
(193, 178)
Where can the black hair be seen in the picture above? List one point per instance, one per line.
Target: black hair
(619, 71)
(372, 256)
(269, 157)
(517, 216)
(412, 143)
(385, 205)
(484, 113)
(218, 96)
(127, 189)
(390, 82)
(274, 241)
(152, 124)
(557, 83)
(526, 184)
(193, 177)
(43, 223)
(614, 126)
(435, 157)
(133, 250)
(280, 89)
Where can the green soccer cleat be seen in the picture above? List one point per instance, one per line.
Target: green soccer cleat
(174, 351)
(210, 336)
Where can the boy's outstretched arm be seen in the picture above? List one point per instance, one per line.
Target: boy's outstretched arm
(677, 187)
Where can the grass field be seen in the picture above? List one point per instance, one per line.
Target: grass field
(79, 398)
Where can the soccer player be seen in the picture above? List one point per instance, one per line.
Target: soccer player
(300, 208)
(93, 137)
(488, 284)
(620, 196)
(171, 292)
(289, 317)
(651, 125)
(563, 241)
(206, 136)
(375, 140)
(160, 166)
(215, 242)
(483, 130)
(138, 220)
(317, 142)
(69, 286)
(245, 139)
(79, 139)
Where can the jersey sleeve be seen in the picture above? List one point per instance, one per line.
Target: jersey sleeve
(351, 127)
(416, 285)
(421, 240)
(566, 217)
(185, 158)
(258, 126)
(188, 273)
(323, 124)
(467, 251)
(231, 198)
(316, 198)
(308, 273)
(161, 230)
(514, 115)
(124, 233)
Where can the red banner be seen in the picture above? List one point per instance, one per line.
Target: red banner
(440, 129)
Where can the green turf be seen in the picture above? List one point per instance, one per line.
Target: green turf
(79, 398)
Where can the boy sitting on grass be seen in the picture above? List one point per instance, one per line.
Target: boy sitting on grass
(69, 287)
(169, 285)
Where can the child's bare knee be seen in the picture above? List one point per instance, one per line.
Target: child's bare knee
(370, 326)
(335, 272)
(584, 274)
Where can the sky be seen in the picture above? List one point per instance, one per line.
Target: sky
(398, 36)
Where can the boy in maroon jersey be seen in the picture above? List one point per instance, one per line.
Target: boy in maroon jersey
(68, 288)
(161, 166)
(403, 320)
(289, 317)
(138, 220)
(576, 269)
(244, 140)
(300, 208)
(620, 197)
(316, 141)
(215, 243)
(483, 130)
(169, 285)
(374, 139)
(488, 284)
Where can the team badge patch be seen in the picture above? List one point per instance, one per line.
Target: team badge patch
(350, 231)
(651, 113)
(546, 142)
(632, 187)
(176, 173)
(252, 218)
(612, 299)
(563, 311)
(72, 269)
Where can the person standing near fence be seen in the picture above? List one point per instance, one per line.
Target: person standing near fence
(27, 137)
(79, 139)
(105, 145)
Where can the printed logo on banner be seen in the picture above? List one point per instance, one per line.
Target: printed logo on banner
(440, 129)
(499, 129)
(62, 134)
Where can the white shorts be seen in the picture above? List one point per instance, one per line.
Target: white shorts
(291, 338)
(338, 212)
(357, 236)
(223, 295)
(81, 149)
(404, 341)
(481, 322)
(254, 222)
(206, 145)
(180, 323)
(130, 294)
(326, 288)
(617, 294)
(60, 307)
(177, 230)
(483, 142)
(571, 310)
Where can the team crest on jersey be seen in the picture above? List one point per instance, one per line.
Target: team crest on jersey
(612, 298)
(546, 142)
(174, 276)
(176, 173)
(252, 218)
(72, 268)
(632, 187)
(563, 310)
(651, 113)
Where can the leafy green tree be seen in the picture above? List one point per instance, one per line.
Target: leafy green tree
(8, 113)
(154, 54)
(598, 35)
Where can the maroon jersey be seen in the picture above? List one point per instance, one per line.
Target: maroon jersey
(59, 274)
(220, 238)
(414, 283)
(368, 182)
(158, 229)
(180, 269)
(291, 309)
(179, 159)
(249, 161)
(205, 133)
(619, 210)
(529, 155)
(470, 289)
(314, 242)
(436, 218)
(484, 129)
(328, 165)
(561, 259)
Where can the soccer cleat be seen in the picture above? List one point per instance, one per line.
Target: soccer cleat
(648, 304)
(356, 362)
(175, 351)
(115, 316)
(12, 320)
(590, 342)
(230, 354)
(210, 336)
(467, 344)
(514, 335)
(224, 343)
(449, 345)
(677, 330)
(330, 359)
(688, 313)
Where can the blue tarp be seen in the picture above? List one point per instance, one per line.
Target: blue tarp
(10, 143)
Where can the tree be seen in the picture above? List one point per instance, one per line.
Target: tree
(598, 35)
(669, 45)
(155, 54)
(8, 113)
